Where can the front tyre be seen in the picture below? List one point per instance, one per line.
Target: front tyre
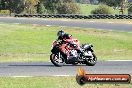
(74, 64)
(91, 61)
(56, 60)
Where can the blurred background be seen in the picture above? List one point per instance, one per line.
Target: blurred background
(83, 7)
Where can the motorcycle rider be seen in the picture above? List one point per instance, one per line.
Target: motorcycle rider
(66, 38)
(63, 36)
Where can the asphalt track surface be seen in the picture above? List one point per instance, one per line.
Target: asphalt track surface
(48, 69)
(71, 23)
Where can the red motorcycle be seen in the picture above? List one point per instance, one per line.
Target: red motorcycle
(63, 52)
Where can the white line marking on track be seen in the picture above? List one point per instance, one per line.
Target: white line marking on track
(110, 22)
(91, 21)
(39, 76)
(61, 75)
(48, 25)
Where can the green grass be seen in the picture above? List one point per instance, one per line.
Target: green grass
(32, 43)
(52, 82)
(87, 8)
(4, 12)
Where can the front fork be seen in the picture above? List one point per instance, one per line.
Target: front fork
(59, 55)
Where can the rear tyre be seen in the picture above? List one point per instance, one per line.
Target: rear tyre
(55, 60)
(91, 61)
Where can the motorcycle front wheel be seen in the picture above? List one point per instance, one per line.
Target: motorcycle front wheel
(91, 61)
(56, 60)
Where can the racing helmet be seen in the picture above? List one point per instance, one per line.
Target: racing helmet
(60, 33)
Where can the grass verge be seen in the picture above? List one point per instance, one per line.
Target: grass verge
(19, 42)
(87, 8)
(52, 82)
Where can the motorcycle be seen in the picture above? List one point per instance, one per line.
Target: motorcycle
(85, 56)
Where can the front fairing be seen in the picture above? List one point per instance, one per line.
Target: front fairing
(54, 44)
(87, 47)
(55, 49)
